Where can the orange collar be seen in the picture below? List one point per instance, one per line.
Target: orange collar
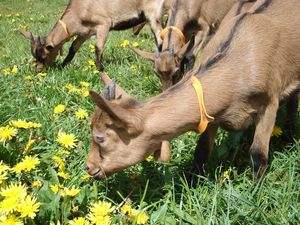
(177, 31)
(204, 117)
(64, 26)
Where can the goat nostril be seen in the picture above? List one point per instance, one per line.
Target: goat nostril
(87, 167)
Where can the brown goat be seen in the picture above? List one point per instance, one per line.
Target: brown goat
(86, 18)
(248, 67)
(189, 24)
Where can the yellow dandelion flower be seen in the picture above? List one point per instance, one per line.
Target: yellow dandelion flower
(3, 177)
(92, 48)
(28, 78)
(126, 209)
(54, 188)
(63, 152)
(96, 72)
(37, 184)
(66, 140)
(42, 74)
(81, 114)
(59, 161)
(24, 27)
(71, 192)
(59, 109)
(28, 146)
(135, 44)
(15, 190)
(24, 124)
(99, 220)
(10, 220)
(8, 205)
(19, 124)
(101, 208)
(70, 87)
(142, 218)
(133, 214)
(27, 164)
(79, 221)
(150, 158)
(84, 84)
(226, 174)
(277, 131)
(189, 133)
(7, 133)
(3, 167)
(85, 93)
(34, 125)
(28, 207)
(14, 69)
(6, 71)
(63, 175)
(85, 68)
(125, 43)
(91, 62)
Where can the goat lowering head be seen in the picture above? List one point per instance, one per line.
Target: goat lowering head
(43, 54)
(168, 62)
(119, 139)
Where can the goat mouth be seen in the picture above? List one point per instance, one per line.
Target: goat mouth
(98, 175)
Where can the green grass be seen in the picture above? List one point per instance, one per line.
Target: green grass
(226, 195)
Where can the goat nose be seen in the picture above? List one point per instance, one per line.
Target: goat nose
(87, 167)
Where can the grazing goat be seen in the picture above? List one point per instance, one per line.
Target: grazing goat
(189, 24)
(248, 67)
(86, 18)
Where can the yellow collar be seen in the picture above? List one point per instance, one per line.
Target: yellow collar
(64, 25)
(177, 31)
(204, 117)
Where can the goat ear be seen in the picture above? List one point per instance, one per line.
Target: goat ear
(28, 35)
(186, 48)
(25, 33)
(118, 90)
(122, 117)
(146, 55)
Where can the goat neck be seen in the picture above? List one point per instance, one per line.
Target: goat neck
(61, 32)
(175, 111)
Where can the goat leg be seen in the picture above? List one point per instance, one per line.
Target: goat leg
(201, 36)
(136, 29)
(259, 149)
(76, 44)
(291, 115)
(102, 32)
(204, 148)
(156, 28)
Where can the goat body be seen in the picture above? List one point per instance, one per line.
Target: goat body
(247, 68)
(97, 17)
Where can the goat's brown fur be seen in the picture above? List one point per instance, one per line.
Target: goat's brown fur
(258, 66)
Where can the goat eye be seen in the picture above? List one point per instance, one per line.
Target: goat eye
(100, 139)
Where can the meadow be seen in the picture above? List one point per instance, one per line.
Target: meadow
(45, 135)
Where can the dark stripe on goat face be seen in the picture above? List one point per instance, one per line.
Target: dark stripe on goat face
(169, 38)
(123, 25)
(222, 49)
